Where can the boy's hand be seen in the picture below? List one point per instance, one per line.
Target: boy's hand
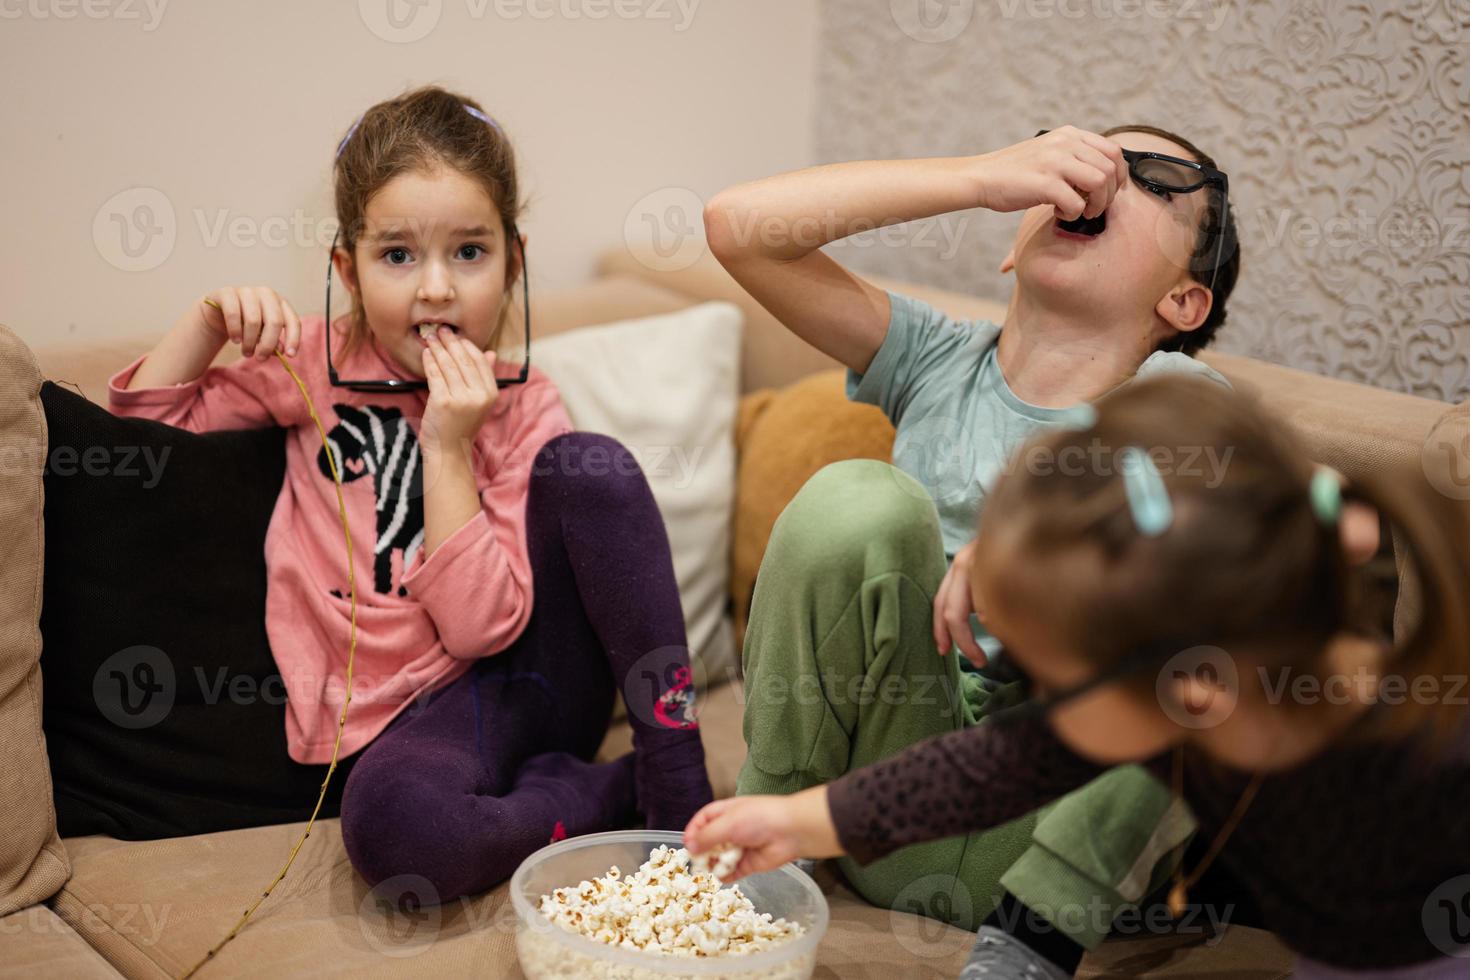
(953, 605)
(772, 830)
(256, 317)
(1071, 168)
(462, 390)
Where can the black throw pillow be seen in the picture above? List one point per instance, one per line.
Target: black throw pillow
(164, 712)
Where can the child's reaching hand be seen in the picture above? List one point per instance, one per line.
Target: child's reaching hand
(771, 830)
(1071, 168)
(256, 317)
(462, 390)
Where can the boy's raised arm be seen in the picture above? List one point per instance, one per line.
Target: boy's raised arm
(768, 234)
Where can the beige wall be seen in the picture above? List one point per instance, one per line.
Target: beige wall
(214, 124)
(1344, 126)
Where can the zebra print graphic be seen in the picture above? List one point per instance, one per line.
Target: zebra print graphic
(377, 441)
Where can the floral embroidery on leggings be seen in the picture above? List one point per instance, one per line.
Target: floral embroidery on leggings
(675, 708)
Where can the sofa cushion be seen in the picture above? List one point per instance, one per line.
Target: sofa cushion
(164, 710)
(33, 863)
(785, 437)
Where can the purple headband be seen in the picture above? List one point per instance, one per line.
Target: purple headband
(467, 108)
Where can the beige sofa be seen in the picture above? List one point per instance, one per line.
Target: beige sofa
(149, 909)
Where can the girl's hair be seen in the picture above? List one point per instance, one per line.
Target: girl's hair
(1246, 562)
(421, 129)
(1207, 245)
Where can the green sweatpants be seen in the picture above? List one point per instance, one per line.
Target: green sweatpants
(841, 671)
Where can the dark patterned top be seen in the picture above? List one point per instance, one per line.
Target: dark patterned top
(1352, 856)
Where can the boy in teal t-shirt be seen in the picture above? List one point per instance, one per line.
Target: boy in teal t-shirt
(860, 602)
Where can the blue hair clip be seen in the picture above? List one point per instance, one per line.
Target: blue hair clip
(1326, 493)
(348, 138)
(1148, 498)
(481, 116)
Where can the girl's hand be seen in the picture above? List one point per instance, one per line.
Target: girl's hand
(1360, 532)
(255, 317)
(953, 605)
(772, 830)
(462, 390)
(1071, 168)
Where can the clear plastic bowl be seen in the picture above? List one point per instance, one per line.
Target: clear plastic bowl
(546, 950)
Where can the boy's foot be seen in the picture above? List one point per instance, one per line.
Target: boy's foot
(998, 956)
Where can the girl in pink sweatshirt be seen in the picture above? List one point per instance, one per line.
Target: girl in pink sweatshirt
(511, 574)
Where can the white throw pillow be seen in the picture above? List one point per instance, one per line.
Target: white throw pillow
(667, 387)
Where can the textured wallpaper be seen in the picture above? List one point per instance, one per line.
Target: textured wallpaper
(1344, 127)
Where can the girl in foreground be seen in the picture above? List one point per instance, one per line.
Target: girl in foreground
(1216, 630)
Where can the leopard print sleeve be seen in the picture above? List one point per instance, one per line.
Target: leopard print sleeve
(968, 780)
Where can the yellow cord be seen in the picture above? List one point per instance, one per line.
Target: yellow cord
(351, 650)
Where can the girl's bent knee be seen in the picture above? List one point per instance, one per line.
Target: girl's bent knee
(581, 463)
(385, 826)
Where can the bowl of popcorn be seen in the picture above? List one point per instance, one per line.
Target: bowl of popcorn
(633, 905)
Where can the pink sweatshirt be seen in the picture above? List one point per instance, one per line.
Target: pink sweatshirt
(421, 621)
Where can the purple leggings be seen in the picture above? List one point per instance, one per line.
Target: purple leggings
(462, 787)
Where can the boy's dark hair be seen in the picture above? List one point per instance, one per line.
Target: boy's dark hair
(1206, 246)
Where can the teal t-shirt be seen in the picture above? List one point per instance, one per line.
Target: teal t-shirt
(957, 421)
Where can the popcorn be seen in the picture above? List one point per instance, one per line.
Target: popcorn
(724, 862)
(672, 904)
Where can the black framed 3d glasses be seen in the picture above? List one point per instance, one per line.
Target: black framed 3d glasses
(400, 384)
(1160, 172)
(1028, 706)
